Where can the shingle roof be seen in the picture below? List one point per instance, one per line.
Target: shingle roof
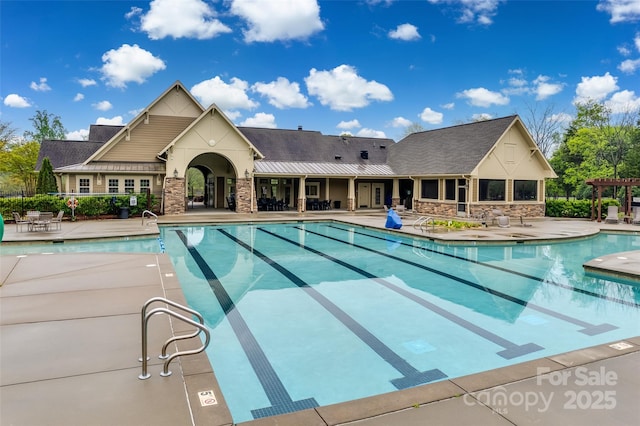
(451, 150)
(312, 146)
(102, 132)
(64, 153)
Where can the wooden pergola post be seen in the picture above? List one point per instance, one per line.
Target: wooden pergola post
(599, 184)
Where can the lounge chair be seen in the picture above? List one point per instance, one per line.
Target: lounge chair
(503, 221)
(20, 222)
(495, 215)
(636, 217)
(612, 214)
(57, 221)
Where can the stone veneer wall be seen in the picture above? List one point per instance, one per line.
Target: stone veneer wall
(351, 204)
(174, 191)
(243, 196)
(451, 209)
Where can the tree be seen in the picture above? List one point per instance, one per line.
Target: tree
(46, 179)
(46, 126)
(412, 128)
(544, 127)
(18, 160)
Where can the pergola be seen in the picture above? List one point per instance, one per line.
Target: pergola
(599, 184)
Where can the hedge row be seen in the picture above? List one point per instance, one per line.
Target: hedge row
(88, 206)
(576, 208)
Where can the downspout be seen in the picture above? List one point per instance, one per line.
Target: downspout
(164, 182)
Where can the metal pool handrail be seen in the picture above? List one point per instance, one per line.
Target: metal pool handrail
(423, 222)
(151, 214)
(145, 320)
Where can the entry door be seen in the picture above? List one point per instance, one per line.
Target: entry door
(364, 195)
(220, 193)
(377, 199)
(462, 197)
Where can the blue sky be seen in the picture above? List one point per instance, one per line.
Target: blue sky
(367, 67)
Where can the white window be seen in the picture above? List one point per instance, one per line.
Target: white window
(84, 185)
(114, 186)
(312, 190)
(145, 184)
(129, 185)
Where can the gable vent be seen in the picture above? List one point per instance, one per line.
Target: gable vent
(364, 155)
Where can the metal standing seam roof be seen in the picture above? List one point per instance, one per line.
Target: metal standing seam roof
(321, 168)
(119, 167)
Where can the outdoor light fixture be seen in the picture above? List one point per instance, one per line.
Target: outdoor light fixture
(175, 173)
(247, 174)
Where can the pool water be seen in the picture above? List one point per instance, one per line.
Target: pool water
(305, 315)
(125, 245)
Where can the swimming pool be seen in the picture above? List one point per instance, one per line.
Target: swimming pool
(310, 314)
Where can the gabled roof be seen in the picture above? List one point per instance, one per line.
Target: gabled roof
(311, 146)
(215, 110)
(65, 153)
(452, 150)
(102, 132)
(140, 118)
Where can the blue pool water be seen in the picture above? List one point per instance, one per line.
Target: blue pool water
(313, 314)
(125, 245)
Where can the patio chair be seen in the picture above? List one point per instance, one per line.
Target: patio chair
(503, 221)
(57, 221)
(636, 217)
(495, 215)
(20, 222)
(43, 221)
(612, 214)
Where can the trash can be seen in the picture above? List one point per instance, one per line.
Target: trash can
(124, 213)
(336, 204)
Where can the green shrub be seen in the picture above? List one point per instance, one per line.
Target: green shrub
(575, 208)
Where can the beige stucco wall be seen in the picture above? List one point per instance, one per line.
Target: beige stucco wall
(513, 157)
(211, 134)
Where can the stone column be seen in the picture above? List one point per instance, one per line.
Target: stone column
(174, 192)
(243, 195)
(351, 195)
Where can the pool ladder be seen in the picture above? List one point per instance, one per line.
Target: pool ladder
(168, 358)
(422, 223)
(153, 218)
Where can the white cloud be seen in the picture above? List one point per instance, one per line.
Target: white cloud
(78, 135)
(370, 133)
(544, 89)
(401, 122)
(16, 101)
(623, 101)
(42, 86)
(353, 124)
(481, 117)
(449, 105)
(228, 97)
(430, 116)
(129, 63)
(406, 32)
(595, 88)
(180, 19)
(86, 82)
(260, 120)
(624, 50)
(473, 11)
(621, 10)
(282, 93)
(636, 41)
(78, 97)
(102, 106)
(562, 117)
(342, 89)
(115, 121)
(629, 66)
(270, 20)
(483, 98)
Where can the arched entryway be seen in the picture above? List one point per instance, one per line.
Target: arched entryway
(219, 180)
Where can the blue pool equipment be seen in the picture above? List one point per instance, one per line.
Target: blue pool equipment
(393, 220)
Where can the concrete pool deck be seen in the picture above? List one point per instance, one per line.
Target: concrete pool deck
(70, 340)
